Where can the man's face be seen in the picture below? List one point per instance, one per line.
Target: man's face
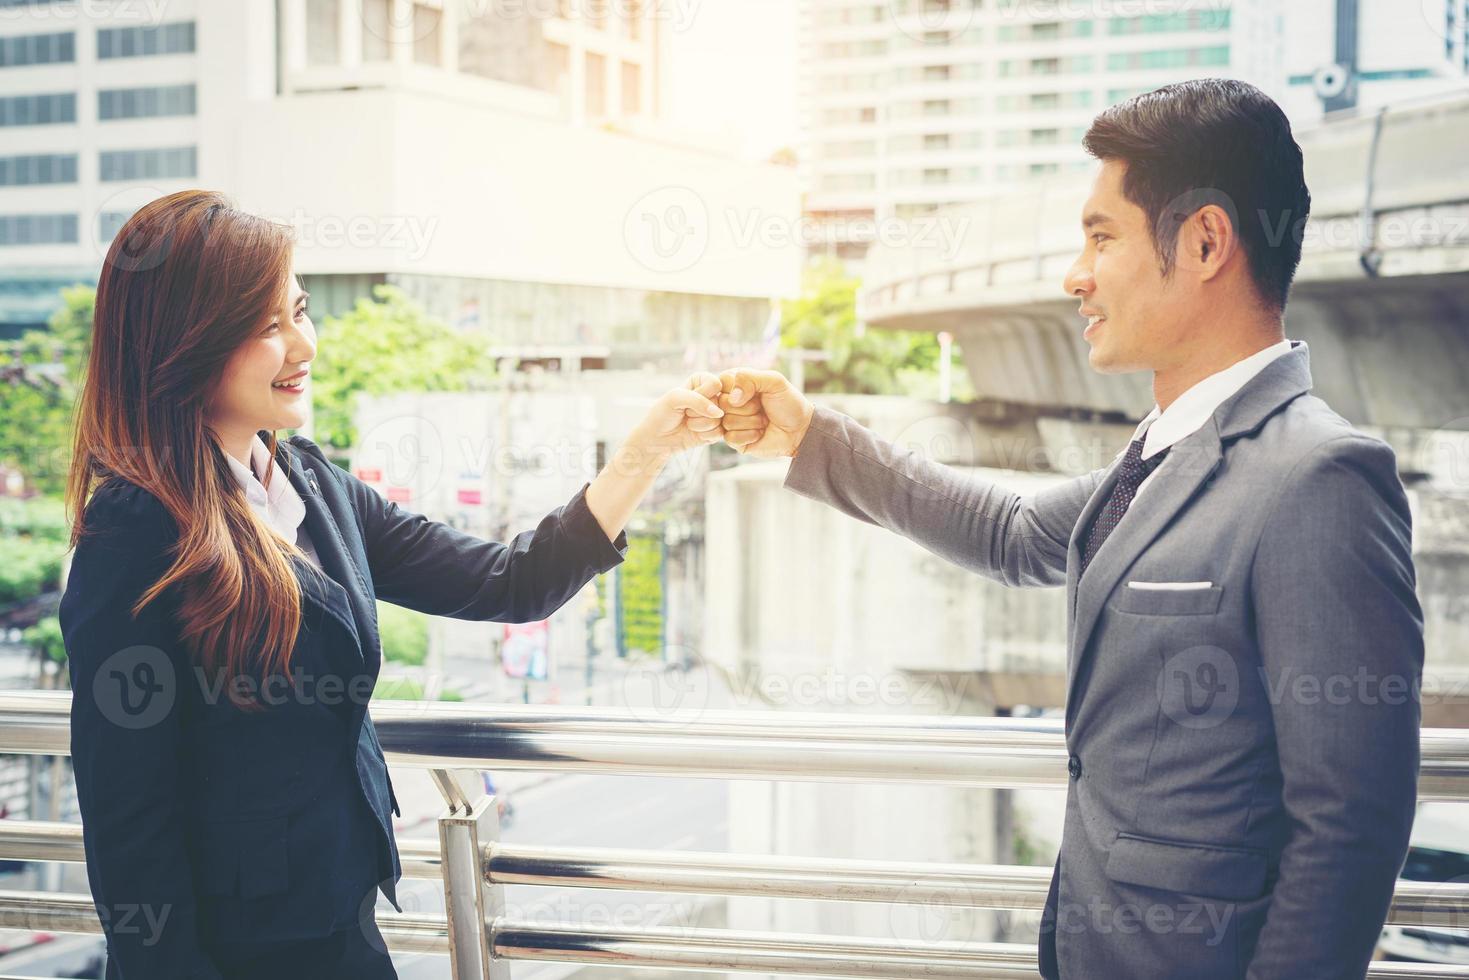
(1136, 319)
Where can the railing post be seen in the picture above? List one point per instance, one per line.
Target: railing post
(471, 903)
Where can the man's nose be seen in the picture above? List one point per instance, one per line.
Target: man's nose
(1078, 281)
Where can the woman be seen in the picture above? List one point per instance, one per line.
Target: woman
(219, 615)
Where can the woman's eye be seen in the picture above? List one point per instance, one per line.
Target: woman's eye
(273, 326)
(302, 312)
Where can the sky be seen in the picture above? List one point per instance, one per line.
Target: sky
(733, 71)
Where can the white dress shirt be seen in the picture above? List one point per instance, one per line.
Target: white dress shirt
(1190, 410)
(279, 505)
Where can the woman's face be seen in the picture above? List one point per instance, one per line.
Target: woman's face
(281, 348)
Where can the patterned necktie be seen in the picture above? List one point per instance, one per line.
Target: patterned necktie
(1131, 473)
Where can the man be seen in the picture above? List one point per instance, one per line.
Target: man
(1244, 641)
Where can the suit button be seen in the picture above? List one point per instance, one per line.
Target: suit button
(1073, 766)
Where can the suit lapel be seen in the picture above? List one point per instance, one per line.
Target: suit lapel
(1189, 466)
(329, 594)
(1185, 471)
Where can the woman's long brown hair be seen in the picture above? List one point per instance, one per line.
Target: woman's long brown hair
(188, 279)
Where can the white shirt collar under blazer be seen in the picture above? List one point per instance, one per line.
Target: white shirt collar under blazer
(1194, 407)
(278, 504)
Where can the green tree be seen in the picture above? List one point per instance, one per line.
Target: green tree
(867, 361)
(383, 345)
(42, 372)
(404, 634)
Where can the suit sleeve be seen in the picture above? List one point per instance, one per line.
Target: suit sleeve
(977, 525)
(437, 569)
(1333, 591)
(128, 677)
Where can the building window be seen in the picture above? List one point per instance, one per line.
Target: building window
(632, 89)
(146, 103)
(596, 95)
(179, 161)
(1192, 20)
(38, 49)
(1169, 58)
(558, 65)
(137, 42)
(635, 20)
(596, 13)
(428, 25)
(109, 223)
(38, 168)
(377, 29)
(323, 32)
(38, 229)
(38, 110)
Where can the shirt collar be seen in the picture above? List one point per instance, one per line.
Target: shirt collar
(279, 503)
(1190, 410)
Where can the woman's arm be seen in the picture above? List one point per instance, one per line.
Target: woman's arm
(682, 419)
(128, 680)
(436, 569)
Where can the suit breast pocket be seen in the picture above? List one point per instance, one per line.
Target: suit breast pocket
(1163, 599)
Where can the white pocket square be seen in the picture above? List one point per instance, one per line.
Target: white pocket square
(1169, 586)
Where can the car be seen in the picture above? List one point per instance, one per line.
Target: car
(1436, 852)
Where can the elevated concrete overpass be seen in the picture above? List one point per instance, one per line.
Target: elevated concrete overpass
(1382, 295)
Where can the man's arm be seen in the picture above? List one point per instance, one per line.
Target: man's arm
(1333, 590)
(973, 523)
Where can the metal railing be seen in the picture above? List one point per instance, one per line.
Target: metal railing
(455, 741)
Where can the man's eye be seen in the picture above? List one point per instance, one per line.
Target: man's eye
(1099, 238)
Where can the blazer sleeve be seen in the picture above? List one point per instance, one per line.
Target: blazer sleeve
(437, 569)
(977, 525)
(1333, 592)
(128, 676)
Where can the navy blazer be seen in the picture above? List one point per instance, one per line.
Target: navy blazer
(205, 826)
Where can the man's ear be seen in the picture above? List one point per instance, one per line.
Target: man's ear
(1207, 241)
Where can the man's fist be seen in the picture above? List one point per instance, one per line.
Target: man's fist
(763, 414)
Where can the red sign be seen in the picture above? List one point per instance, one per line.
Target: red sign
(523, 654)
(470, 497)
(400, 495)
(370, 476)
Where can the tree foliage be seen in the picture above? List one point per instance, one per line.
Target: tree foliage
(868, 361)
(383, 345)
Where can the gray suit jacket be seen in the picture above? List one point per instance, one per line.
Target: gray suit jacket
(1243, 754)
